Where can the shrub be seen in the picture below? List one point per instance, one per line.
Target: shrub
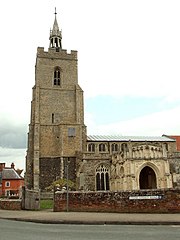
(61, 184)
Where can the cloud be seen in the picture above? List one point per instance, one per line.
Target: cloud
(137, 55)
(13, 133)
(155, 124)
(9, 155)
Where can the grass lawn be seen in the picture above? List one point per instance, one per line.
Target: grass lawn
(46, 204)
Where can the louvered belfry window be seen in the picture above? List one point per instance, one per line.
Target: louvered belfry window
(57, 77)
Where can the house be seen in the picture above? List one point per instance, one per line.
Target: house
(11, 181)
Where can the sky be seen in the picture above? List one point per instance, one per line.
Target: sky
(128, 65)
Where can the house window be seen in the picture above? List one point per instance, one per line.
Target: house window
(71, 132)
(57, 77)
(102, 178)
(7, 193)
(91, 147)
(7, 184)
(102, 147)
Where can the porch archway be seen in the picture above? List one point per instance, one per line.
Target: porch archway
(147, 178)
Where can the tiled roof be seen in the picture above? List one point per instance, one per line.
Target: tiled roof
(129, 138)
(10, 173)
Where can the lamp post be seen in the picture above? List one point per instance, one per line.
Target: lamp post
(67, 185)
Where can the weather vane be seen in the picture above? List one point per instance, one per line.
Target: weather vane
(55, 11)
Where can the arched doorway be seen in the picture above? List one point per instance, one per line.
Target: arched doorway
(147, 179)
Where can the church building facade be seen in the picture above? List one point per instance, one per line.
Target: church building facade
(58, 143)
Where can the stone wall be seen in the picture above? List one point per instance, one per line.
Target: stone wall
(144, 201)
(10, 204)
(50, 170)
(175, 169)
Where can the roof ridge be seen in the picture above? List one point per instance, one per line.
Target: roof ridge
(128, 138)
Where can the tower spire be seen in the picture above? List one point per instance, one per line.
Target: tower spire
(55, 35)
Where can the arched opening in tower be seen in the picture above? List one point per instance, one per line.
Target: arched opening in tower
(147, 179)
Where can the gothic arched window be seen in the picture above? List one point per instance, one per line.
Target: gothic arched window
(124, 147)
(57, 76)
(102, 178)
(91, 147)
(114, 147)
(102, 147)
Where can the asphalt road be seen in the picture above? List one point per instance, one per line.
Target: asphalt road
(31, 231)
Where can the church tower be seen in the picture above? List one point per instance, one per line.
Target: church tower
(56, 131)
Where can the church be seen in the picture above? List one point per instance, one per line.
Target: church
(58, 144)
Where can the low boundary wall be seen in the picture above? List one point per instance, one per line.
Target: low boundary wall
(10, 204)
(144, 201)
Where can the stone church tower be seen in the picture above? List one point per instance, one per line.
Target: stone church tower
(56, 131)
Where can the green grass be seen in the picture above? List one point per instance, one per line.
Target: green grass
(46, 204)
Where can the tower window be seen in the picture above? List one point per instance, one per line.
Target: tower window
(52, 117)
(57, 77)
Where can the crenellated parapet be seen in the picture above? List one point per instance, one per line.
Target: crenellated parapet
(56, 53)
(147, 152)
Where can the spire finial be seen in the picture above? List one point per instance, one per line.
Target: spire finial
(55, 34)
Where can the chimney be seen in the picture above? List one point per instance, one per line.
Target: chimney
(2, 166)
(12, 165)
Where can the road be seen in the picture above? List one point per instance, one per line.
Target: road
(31, 231)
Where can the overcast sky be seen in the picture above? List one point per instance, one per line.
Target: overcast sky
(129, 65)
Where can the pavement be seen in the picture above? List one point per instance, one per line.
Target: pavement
(96, 218)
